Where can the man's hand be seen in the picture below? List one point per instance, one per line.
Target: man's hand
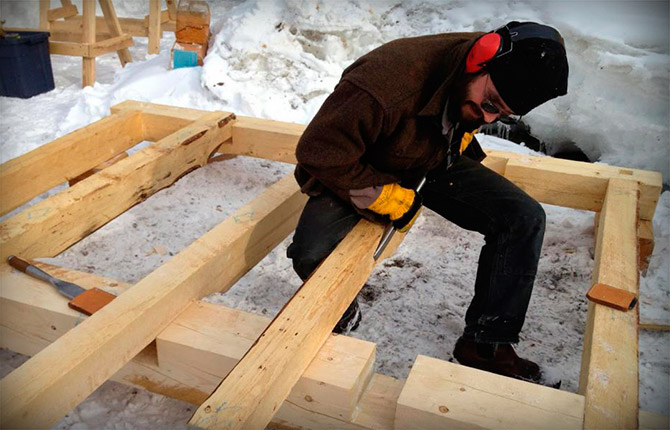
(400, 204)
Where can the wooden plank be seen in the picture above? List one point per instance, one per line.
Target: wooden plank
(262, 138)
(165, 17)
(88, 36)
(609, 373)
(377, 407)
(118, 43)
(114, 27)
(159, 121)
(52, 225)
(74, 49)
(155, 33)
(42, 390)
(550, 180)
(645, 240)
(41, 169)
(579, 185)
(62, 12)
(440, 395)
(206, 341)
(99, 167)
(253, 391)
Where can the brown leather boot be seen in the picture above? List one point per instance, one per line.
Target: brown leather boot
(500, 359)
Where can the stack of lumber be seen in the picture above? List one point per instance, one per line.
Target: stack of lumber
(192, 33)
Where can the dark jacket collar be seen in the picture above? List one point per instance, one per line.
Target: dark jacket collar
(439, 99)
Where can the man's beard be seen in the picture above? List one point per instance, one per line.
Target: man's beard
(460, 97)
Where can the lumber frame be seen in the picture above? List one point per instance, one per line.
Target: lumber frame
(624, 197)
(118, 332)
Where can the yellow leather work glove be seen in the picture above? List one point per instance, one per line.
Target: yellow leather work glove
(400, 204)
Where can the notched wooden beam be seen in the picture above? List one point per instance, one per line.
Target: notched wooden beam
(54, 224)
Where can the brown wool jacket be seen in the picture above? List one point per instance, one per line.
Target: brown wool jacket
(382, 123)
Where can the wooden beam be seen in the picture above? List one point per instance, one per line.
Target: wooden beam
(114, 27)
(576, 184)
(68, 48)
(45, 5)
(33, 314)
(165, 17)
(441, 395)
(41, 169)
(118, 43)
(62, 12)
(159, 121)
(263, 138)
(155, 33)
(52, 225)
(550, 180)
(253, 391)
(609, 373)
(208, 340)
(43, 389)
(88, 36)
(105, 164)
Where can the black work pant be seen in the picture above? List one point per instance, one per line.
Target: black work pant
(475, 198)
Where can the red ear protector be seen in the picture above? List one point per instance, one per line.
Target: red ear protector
(484, 50)
(501, 42)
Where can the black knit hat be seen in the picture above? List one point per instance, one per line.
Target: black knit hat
(532, 66)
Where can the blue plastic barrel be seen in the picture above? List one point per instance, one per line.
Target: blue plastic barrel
(25, 65)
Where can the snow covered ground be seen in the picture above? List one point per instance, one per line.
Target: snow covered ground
(280, 60)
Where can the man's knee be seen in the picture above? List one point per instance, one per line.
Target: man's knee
(527, 215)
(306, 257)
